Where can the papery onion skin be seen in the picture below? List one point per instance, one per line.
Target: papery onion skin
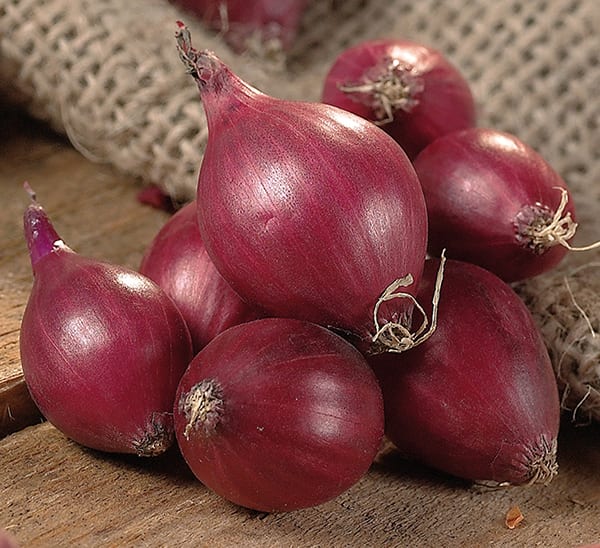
(483, 187)
(277, 20)
(179, 263)
(297, 418)
(102, 347)
(478, 399)
(435, 99)
(308, 211)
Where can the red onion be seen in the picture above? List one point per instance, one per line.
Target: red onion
(102, 347)
(410, 90)
(308, 211)
(279, 414)
(495, 202)
(178, 262)
(478, 399)
(7, 540)
(241, 20)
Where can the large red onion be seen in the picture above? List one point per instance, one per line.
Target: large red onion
(102, 347)
(493, 201)
(478, 399)
(308, 211)
(411, 90)
(178, 262)
(243, 20)
(279, 414)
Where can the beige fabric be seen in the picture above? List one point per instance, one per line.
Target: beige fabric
(106, 73)
(566, 306)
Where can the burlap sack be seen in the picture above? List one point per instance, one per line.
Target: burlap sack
(566, 306)
(106, 73)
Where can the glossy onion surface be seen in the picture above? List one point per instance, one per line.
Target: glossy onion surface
(102, 347)
(478, 399)
(179, 263)
(308, 211)
(486, 191)
(279, 414)
(411, 90)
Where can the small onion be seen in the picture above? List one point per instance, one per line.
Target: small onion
(410, 90)
(279, 414)
(478, 399)
(178, 262)
(308, 211)
(493, 201)
(102, 347)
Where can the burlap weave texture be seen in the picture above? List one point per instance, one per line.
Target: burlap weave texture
(107, 73)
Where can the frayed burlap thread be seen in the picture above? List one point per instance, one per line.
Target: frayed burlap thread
(566, 306)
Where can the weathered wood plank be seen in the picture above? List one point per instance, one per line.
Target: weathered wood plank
(55, 493)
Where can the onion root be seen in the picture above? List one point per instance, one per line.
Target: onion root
(202, 407)
(543, 465)
(545, 232)
(393, 87)
(157, 438)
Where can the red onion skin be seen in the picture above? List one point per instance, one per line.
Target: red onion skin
(478, 399)
(443, 105)
(154, 196)
(273, 19)
(178, 262)
(7, 540)
(476, 182)
(301, 418)
(102, 347)
(315, 215)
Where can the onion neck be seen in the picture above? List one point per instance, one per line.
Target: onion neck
(202, 408)
(42, 239)
(220, 89)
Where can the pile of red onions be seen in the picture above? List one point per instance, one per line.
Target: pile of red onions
(299, 275)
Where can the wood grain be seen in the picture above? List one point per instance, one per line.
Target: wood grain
(55, 493)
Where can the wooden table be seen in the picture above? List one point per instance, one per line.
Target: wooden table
(56, 493)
